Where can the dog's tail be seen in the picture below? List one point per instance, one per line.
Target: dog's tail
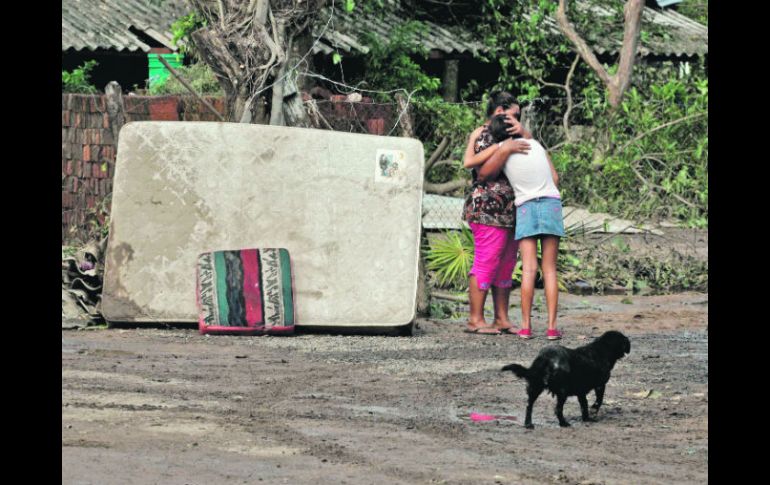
(517, 369)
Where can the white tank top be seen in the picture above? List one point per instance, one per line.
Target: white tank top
(530, 174)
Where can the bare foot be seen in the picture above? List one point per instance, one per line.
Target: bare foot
(483, 328)
(505, 326)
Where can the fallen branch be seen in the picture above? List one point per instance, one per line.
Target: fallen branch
(441, 295)
(446, 187)
(658, 187)
(565, 120)
(441, 163)
(190, 88)
(660, 127)
(436, 154)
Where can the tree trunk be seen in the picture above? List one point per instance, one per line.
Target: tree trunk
(246, 44)
(450, 81)
(116, 112)
(405, 116)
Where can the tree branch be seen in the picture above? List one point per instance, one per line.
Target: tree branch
(436, 153)
(632, 24)
(446, 187)
(658, 187)
(660, 127)
(449, 163)
(583, 49)
(190, 88)
(565, 120)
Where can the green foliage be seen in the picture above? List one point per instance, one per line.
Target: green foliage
(392, 65)
(451, 257)
(655, 162)
(611, 266)
(441, 309)
(697, 10)
(520, 40)
(647, 160)
(182, 28)
(198, 75)
(78, 80)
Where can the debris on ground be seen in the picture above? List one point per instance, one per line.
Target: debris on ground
(81, 278)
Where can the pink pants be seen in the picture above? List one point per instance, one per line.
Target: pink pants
(495, 255)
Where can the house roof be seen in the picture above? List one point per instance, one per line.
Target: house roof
(345, 31)
(117, 24)
(675, 34)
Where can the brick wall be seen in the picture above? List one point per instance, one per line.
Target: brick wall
(88, 152)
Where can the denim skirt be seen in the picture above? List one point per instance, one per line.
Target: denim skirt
(541, 216)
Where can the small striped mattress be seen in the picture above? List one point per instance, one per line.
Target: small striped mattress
(246, 291)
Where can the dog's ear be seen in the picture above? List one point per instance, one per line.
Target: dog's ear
(627, 346)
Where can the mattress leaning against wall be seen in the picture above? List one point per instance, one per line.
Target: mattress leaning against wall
(346, 206)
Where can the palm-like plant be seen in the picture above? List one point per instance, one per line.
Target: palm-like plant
(451, 257)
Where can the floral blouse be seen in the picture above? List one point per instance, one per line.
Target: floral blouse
(489, 202)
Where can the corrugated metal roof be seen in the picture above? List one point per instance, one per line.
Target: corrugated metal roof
(106, 24)
(346, 30)
(683, 36)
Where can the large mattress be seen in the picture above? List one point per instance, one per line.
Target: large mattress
(346, 206)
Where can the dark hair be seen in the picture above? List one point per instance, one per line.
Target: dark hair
(498, 99)
(498, 128)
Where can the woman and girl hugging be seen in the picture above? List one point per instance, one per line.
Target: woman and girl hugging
(514, 202)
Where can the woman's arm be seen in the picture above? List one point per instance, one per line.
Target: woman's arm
(473, 159)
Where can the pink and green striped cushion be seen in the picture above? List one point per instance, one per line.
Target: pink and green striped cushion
(245, 291)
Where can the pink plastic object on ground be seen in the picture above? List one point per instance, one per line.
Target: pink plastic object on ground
(489, 417)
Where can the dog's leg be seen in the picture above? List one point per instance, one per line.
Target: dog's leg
(599, 398)
(532, 394)
(583, 400)
(559, 409)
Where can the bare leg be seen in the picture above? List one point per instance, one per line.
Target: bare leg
(477, 297)
(528, 248)
(501, 298)
(550, 245)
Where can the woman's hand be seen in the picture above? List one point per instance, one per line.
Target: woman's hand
(515, 146)
(517, 128)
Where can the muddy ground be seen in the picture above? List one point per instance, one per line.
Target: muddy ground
(154, 405)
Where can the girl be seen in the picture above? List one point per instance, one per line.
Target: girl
(538, 217)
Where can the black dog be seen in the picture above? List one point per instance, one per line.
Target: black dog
(572, 372)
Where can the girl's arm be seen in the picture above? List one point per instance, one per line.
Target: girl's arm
(492, 168)
(472, 159)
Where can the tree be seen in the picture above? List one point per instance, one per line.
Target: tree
(252, 47)
(618, 83)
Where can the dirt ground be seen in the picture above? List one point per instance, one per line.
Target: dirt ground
(153, 405)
